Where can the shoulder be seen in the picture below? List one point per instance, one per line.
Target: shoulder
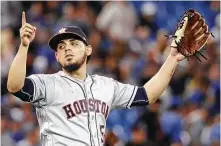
(102, 79)
(43, 77)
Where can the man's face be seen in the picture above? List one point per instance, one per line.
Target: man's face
(72, 54)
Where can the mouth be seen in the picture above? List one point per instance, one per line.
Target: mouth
(68, 56)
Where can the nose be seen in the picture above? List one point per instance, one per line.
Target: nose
(67, 48)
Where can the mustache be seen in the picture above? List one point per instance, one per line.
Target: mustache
(68, 54)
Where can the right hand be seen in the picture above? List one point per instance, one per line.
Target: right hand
(27, 32)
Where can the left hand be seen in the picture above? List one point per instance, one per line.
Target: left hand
(191, 34)
(176, 54)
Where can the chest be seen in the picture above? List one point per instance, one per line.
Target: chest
(83, 97)
(69, 91)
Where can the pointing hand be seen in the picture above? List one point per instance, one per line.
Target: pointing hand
(27, 31)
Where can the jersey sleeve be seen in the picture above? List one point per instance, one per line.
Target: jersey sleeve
(123, 95)
(42, 90)
(140, 98)
(27, 91)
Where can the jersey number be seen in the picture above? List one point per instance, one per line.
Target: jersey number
(102, 133)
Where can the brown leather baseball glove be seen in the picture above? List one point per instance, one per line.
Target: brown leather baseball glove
(191, 34)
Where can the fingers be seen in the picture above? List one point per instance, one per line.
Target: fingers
(24, 34)
(28, 26)
(27, 30)
(24, 24)
(23, 18)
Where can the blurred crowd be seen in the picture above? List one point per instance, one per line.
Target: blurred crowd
(128, 45)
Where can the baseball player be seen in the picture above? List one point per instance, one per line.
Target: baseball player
(71, 105)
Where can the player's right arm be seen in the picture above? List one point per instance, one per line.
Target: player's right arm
(17, 71)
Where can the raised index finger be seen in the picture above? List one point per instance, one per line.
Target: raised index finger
(23, 18)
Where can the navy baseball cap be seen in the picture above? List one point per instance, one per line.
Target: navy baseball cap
(67, 32)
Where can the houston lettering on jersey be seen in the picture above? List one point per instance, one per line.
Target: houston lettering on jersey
(84, 106)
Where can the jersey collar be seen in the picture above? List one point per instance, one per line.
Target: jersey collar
(88, 78)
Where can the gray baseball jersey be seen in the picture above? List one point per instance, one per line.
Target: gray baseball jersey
(73, 112)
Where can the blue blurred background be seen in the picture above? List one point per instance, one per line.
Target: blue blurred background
(129, 45)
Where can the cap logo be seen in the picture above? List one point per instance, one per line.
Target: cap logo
(62, 30)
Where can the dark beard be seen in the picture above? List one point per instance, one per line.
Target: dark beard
(74, 66)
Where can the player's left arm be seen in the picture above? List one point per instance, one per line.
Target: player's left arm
(190, 36)
(126, 95)
(159, 82)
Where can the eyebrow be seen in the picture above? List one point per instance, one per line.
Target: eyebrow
(71, 40)
(61, 42)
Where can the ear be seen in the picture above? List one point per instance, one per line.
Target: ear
(56, 56)
(88, 50)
